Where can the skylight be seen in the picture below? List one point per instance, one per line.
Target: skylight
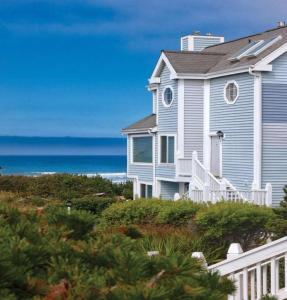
(254, 48)
(244, 50)
(263, 46)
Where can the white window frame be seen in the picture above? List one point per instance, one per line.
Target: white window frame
(159, 149)
(225, 88)
(132, 150)
(162, 96)
(146, 183)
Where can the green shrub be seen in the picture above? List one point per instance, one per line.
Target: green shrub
(94, 205)
(147, 211)
(219, 225)
(79, 223)
(63, 186)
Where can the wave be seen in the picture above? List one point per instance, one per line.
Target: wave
(114, 177)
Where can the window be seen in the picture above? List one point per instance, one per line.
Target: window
(167, 149)
(167, 97)
(146, 190)
(231, 92)
(142, 149)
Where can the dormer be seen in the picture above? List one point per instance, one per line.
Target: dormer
(197, 42)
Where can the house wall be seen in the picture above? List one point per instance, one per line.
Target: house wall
(236, 122)
(274, 131)
(193, 118)
(167, 121)
(168, 189)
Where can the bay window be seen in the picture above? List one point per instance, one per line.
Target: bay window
(142, 149)
(167, 149)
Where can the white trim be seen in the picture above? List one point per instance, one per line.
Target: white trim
(159, 149)
(225, 88)
(206, 124)
(146, 183)
(132, 152)
(163, 98)
(162, 59)
(180, 117)
(272, 56)
(154, 80)
(154, 101)
(154, 185)
(257, 119)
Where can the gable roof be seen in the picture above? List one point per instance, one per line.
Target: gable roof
(216, 58)
(143, 125)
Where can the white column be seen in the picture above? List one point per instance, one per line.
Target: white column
(206, 124)
(180, 115)
(285, 270)
(154, 188)
(268, 199)
(257, 124)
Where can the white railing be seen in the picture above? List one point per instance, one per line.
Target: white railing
(258, 197)
(184, 166)
(200, 173)
(258, 272)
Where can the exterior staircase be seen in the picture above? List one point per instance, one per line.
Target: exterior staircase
(205, 187)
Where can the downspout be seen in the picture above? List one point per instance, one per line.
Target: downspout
(257, 128)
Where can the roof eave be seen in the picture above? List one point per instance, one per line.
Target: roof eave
(140, 131)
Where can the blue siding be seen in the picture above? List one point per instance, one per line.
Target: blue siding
(193, 118)
(167, 116)
(236, 121)
(167, 121)
(168, 189)
(200, 43)
(274, 105)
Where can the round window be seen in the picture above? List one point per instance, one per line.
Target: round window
(167, 96)
(231, 92)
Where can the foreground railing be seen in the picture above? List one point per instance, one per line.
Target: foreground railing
(258, 272)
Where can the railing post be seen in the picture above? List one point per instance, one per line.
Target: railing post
(234, 250)
(200, 257)
(273, 276)
(206, 194)
(268, 198)
(258, 281)
(193, 164)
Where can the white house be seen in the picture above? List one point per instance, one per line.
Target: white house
(219, 122)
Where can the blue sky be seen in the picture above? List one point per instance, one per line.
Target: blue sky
(80, 68)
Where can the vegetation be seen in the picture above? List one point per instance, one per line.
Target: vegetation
(98, 248)
(64, 186)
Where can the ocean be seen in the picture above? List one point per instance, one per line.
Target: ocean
(33, 156)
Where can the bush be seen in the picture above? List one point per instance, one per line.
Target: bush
(94, 205)
(219, 225)
(147, 211)
(79, 223)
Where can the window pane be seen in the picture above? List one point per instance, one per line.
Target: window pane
(168, 96)
(142, 149)
(149, 191)
(143, 190)
(163, 149)
(171, 149)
